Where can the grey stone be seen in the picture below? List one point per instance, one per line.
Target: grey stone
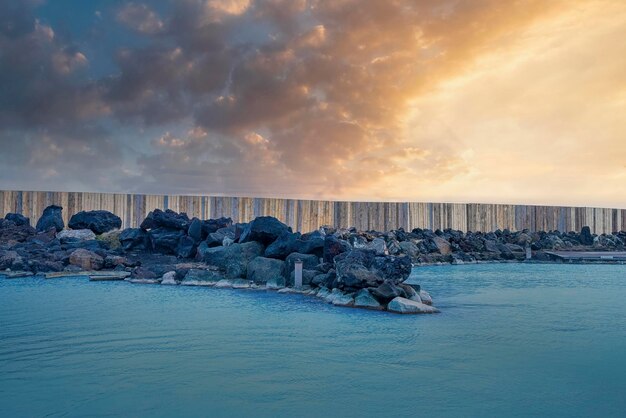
(407, 306)
(262, 269)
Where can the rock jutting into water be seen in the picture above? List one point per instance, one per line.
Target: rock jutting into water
(344, 267)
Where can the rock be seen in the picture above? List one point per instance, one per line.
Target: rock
(134, 238)
(76, 234)
(87, 260)
(442, 245)
(112, 261)
(51, 218)
(386, 292)
(169, 278)
(410, 249)
(195, 230)
(233, 259)
(111, 239)
(11, 260)
(284, 245)
(262, 269)
(364, 299)
(17, 219)
(334, 294)
(200, 277)
(165, 240)
(309, 261)
(425, 297)
(352, 269)
(394, 269)
(407, 306)
(379, 246)
(166, 219)
(187, 247)
(215, 239)
(10, 233)
(586, 238)
(98, 221)
(264, 229)
(343, 300)
(143, 275)
(334, 246)
(214, 225)
(324, 279)
(311, 243)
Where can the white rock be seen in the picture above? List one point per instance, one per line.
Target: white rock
(80, 234)
(333, 295)
(169, 278)
(323, 292)
(425, 297)
(408, 306)
(241, 284)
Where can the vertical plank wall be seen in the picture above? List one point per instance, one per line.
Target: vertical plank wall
(307, 215)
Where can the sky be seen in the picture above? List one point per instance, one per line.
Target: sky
(450, 101)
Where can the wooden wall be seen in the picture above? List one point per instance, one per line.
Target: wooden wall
(307, 215)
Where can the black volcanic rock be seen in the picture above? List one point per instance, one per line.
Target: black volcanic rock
(166, 219)
(98, 221)
(17, 219)
(264, 229)
(51, 218)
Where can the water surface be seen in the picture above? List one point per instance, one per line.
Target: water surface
(513, 340)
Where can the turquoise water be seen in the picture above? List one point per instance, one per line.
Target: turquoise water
(513, 340)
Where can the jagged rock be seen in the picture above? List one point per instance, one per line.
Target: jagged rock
(12, 233)
(143, 275)
(407, 306)
(233, 259)
(262, 269)
(334, 246)
(215, 239)
(311, 243)
(386, 292)
(98, 221)
(586, 238)
(165, 240)
(214, 225)
(394, 269)
(195, 230)
(410, 249)
(112, 261)
(87, 260)
(364, 299)
(343, 300)
(187, 247)
(442, 246)
(166, 219)
(51, 217)
(284, 245)
(76, 234)
(264, 229)
(353, 270)
(17, 219)
(379, 246)
(134, 238)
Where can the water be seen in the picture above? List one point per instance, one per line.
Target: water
(513, 340)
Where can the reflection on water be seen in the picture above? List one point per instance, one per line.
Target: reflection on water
(513, 340)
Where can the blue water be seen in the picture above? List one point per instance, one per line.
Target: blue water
(513, 340)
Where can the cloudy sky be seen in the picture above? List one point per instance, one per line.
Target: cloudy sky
(447, 100)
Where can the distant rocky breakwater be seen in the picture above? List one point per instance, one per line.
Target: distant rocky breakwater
(344, 267)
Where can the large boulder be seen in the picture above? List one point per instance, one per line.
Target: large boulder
(262, 269)
(264, 229)
(284, 245)
(353, 270)
(586, 238)
(441, 245)
(99, 221)
(234, 259)
(311, 243)
(364, 299)
(165, 240)
(166, 219)
(202, 277)
(51, 218)
(392, 268)
(87, 260)
(17, 219)
(134, 238)
(407, 306)
(187, 247)
(333, 246)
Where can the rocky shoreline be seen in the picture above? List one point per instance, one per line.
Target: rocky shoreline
(345, 267)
